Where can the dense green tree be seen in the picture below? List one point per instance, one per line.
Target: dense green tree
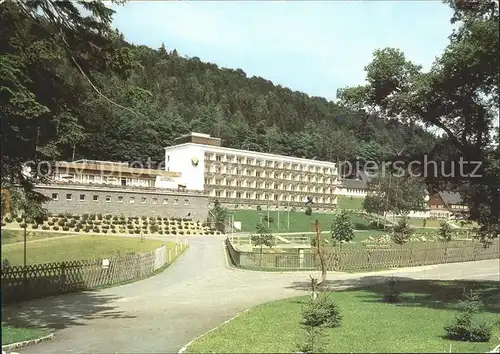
(458, 96)
(342, 229)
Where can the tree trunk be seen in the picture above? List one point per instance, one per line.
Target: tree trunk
(260, 260)
(25, 227)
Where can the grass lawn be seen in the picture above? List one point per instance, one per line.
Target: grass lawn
(12, 236)
(350, 203)
(299, 221)
(368, 325)
(419, 223)
(77, 248)
(14, 335)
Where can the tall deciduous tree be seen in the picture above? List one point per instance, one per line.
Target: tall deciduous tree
(395, 194)
(458, 96)
(342, 228)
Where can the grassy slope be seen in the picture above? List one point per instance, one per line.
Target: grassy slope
(77, 248)
(13, 236)
(348, 203)
(368, 325)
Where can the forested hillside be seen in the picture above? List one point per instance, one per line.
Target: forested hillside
(70, 97)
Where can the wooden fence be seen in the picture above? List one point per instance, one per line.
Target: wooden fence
(21, 283)
(368, 258)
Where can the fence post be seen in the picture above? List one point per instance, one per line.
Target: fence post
(62, 283)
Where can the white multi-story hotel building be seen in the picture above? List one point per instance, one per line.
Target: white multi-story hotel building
(246, 179)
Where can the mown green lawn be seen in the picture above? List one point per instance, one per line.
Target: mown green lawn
(296, 221)
(77, 248)
(13, 236)
(354, 203)
(368, 325)
(14, 335)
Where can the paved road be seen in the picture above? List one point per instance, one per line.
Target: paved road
(163, 313)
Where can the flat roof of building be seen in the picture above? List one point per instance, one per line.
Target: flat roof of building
(255, 154)
(105, 166)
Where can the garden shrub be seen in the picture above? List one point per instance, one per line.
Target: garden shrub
(85, 216)
(391, 294)
(45, 227)
(181, 232)
(34, 226)
(7, 219)
(104, 231)
(65, 228)
(60, 215)
(466, 327)
(96, 230)
(108, 216)
(113, 231)
(76, 217)
(144, 217)
(55, 228)
(174, 232)
(77, 229)
(61, 223)
(23, 225)
(99, 216)
(87, 229)
(322, 312)
(19, 220)
(68, 215)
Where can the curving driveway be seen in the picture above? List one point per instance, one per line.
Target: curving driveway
(195, 294)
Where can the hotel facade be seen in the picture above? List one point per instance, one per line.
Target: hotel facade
(248, 179)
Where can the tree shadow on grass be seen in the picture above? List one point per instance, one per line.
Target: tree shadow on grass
(419, 293)
(438, 294)
(59, 312)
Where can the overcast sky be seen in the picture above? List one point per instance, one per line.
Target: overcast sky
(313, 47)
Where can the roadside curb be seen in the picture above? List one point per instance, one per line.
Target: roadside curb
(184, 348)
(27, 342)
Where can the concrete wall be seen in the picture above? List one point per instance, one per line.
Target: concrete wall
(117, 201)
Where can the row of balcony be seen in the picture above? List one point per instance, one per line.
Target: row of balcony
(322, 171)
(210, 175)
(209, 187)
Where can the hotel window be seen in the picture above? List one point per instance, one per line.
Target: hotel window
(143, 200)
(120, 199)
(247, 195)
(240, 160)
(69, 197)
(257, 195)
(266, 196)
(186, 201)
(238, 183)
(257, 174)
(165, 201)
(228, 194)
(207, 181)
(82, 197)
(217, 169)
(176, 201)
(217, 193)
(95, 198)
(218, 158)
(276, 186)
(275, 197)
(238, 194)
(155, 200)
(55, 196)
(132, 200)
(108, 198)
